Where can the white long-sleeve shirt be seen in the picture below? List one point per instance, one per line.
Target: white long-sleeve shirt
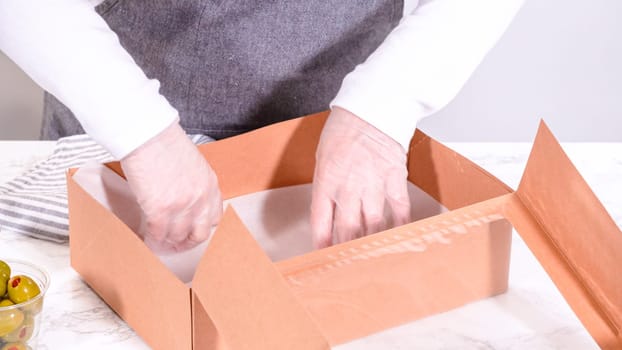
(68, 49)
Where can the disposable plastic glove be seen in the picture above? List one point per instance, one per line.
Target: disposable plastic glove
(176, 189)
(358, 171)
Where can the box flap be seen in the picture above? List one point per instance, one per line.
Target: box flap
(573, 237)
(246, 298)
(123, 271)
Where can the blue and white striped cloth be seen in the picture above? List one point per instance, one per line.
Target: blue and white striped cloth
(35, 203)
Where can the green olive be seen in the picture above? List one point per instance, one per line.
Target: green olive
(5, 271)
(23, 333)
(6, 302)
(22, 288)
(14, 346)
(10, 320)
(3, 284)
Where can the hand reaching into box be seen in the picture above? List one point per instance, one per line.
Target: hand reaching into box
(358, 170)
(179, 206)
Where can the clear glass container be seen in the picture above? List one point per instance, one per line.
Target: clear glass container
(20, 323)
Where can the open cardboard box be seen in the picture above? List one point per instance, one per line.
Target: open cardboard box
(240, 299)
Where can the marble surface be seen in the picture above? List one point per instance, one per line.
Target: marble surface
(531, 315)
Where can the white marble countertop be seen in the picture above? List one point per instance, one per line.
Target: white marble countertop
(531, 315)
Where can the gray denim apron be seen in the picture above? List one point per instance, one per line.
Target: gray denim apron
(232, 66)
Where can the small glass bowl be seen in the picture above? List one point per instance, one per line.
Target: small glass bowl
(20, 323)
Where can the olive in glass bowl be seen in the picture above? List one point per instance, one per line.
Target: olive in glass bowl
(21, 303)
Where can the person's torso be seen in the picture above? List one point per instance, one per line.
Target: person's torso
(233, 66)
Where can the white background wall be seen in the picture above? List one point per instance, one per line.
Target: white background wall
(561, 60)
(21, 103)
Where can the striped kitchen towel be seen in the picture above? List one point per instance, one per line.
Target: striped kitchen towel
(35, 203)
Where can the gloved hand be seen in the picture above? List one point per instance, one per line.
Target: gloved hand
(358, 170)
(176, 189)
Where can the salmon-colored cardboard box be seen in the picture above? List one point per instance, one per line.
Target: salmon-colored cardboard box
(240, 299)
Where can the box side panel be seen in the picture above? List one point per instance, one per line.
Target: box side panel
(126, 275)
(447, 176)
(283, 154)
(588, 240)
(397, 276)
(246, 298)
(205, 336)
(279, 155)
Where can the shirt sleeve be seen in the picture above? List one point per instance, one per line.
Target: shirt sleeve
(70, 51)
(423, 63)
